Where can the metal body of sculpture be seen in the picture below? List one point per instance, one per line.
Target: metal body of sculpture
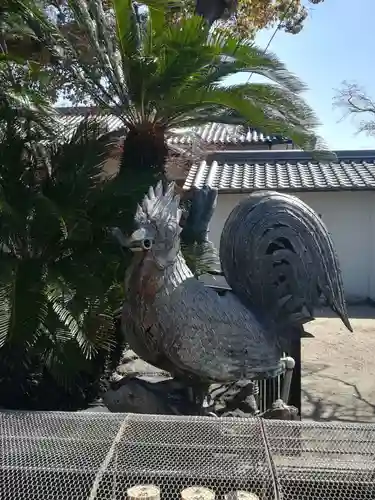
(276, 255)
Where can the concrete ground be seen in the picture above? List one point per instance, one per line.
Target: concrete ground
(338, 379)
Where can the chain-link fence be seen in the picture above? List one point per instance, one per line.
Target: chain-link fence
(104, 456)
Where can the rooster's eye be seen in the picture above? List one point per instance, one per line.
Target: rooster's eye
(147, 244)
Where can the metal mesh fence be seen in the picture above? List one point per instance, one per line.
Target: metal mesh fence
(325, 461)
(105, 456)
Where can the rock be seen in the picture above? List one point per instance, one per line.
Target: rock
(281, 411)
(235, 413)
(131, 364)
(159, 397)
(96, 409)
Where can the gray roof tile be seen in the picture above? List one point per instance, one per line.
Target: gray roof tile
(223, 134)
(70, 118)
(285, 171)
(211, 133)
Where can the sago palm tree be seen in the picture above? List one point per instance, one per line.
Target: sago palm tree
(157, 77)
(58, 267)
(17, 100)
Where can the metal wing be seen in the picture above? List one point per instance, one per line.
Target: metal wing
(213, 337)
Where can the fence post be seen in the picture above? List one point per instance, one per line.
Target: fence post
(296, 385)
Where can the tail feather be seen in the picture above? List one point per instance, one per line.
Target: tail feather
(278, 256)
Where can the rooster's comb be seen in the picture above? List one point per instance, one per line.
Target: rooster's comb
(159, 205)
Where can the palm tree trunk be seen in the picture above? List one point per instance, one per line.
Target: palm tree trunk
(145, 148)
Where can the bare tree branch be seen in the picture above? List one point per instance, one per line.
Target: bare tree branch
(353, 101)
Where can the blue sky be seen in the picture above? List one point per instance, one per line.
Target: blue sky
(336, 44)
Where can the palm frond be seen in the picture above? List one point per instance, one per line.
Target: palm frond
(245, 56)
(23, 306)
(6, 292)
(56, 267)
(59, 304)
(169, 73)
(23, 18)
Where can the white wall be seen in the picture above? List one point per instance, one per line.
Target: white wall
(350, 218)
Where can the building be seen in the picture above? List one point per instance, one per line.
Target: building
(343, 193)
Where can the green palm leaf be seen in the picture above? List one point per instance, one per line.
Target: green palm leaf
(168, 75)
(6, 296)
(23, 305)
(56, 266)
(172, 75)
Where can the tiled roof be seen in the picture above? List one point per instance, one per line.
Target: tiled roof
(285, 171)
(221, 134)
(70, 118)
(211, 134)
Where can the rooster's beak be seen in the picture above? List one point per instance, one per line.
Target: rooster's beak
(139, 241)
(135, 240)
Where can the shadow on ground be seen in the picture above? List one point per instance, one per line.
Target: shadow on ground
(338, 368)
(327, 411)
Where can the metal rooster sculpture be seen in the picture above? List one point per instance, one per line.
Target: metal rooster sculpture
(276, 255)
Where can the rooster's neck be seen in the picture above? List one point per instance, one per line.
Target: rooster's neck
(148, 279)
(177, 273)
